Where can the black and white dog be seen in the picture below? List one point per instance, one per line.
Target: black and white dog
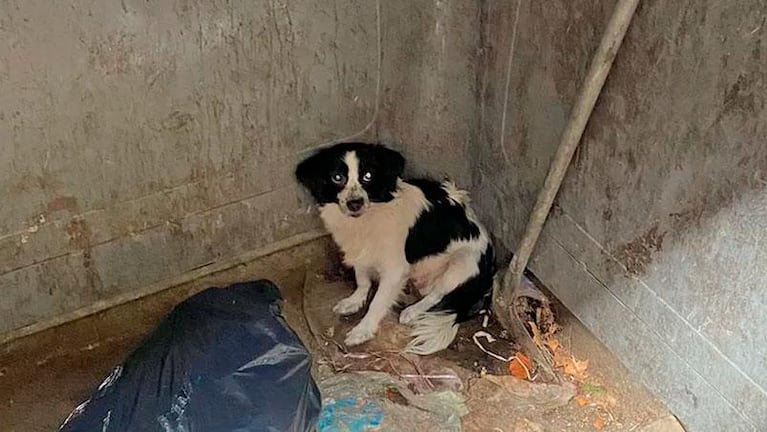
(396, 231)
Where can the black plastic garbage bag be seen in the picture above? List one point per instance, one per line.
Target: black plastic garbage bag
(224, 360)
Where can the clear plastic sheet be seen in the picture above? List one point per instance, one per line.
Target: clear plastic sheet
(362, 401)
(224, 360)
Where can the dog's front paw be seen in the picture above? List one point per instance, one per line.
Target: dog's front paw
(349, 305)
(409, 314)
(359, 334)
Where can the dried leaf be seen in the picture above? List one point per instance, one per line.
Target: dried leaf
(560, 358)
(575, 368)
(599, 422)
(520, 366)
(536, 334)
(581, 401)
(553, 344)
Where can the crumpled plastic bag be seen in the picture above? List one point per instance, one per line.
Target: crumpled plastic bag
(505, 402)
(362, 401)
(224, 360)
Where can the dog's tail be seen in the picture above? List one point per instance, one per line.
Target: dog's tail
(432, 332)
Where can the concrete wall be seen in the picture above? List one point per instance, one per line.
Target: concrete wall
(140, 140)
(657, 239)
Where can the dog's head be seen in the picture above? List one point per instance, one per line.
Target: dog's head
(352, 175)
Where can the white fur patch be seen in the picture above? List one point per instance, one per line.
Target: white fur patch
(352, 189)
(432, 332)
(458, 196)
(376, 239)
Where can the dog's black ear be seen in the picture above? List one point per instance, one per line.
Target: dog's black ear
(392, 161)
(309, 173)
(306, 170)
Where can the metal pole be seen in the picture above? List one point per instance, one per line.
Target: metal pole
(579, 116)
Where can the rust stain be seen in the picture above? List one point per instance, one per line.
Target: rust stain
(80, 237)
(78, 233)
(637, 254)
(62, 202)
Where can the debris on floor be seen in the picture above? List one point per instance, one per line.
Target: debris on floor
(495, 400)
(498, 380)
(360, 401)
(482, 363)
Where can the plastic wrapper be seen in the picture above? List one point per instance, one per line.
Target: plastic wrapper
(363, 401)
(224, 360)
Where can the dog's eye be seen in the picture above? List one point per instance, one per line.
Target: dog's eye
(367, 176)
(338, 179)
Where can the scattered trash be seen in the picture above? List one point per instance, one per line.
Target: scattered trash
(354, 400)
(440, 379)
(544, 396)
(533, 306)
(490, 338)
(480, 350)
(536, 333)
(485, 318)
(497, 401)
(575, 369)
(566, 363)
(349, 415)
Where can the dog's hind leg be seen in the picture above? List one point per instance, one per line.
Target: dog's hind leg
(434, 330)
(462, 267)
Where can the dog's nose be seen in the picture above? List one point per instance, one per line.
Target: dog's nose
(355, 205)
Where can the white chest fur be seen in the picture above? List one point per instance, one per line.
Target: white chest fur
(376, 239)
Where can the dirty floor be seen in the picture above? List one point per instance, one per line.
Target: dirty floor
(42, 377)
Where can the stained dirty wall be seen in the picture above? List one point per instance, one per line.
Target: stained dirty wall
(657, 239)
(140, 140)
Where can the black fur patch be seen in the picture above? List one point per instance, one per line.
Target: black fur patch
(437, 226)
(473, 295)
(385, 165)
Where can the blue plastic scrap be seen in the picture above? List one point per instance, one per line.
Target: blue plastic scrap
(349, 415)
(224, 360)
